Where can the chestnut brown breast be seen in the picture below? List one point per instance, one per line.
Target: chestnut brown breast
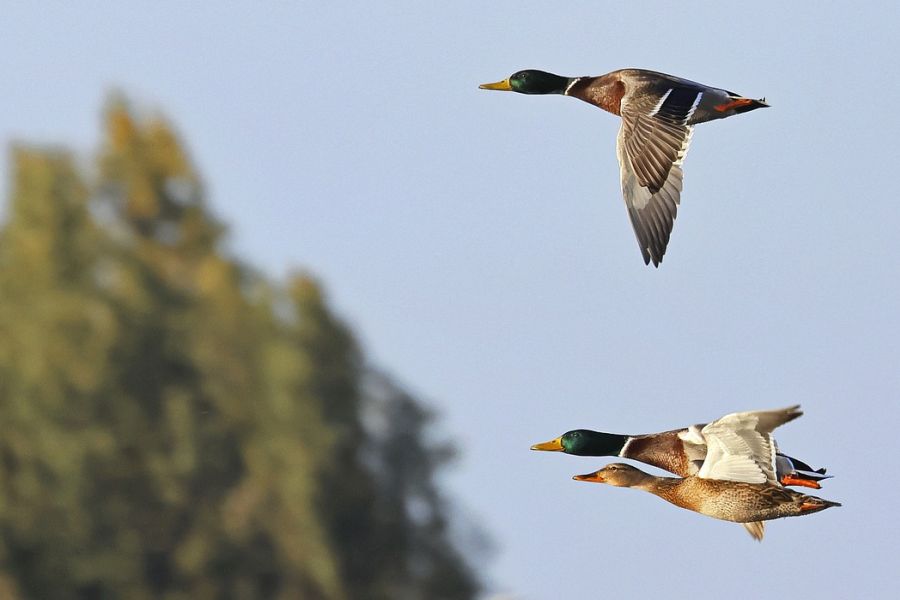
(664, 450)
(605, 92)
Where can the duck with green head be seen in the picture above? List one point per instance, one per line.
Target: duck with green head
(658, 114)
(682, 451)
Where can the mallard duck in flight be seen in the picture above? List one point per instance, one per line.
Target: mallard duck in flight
(658, 114)
(736, 482)
(683, 451)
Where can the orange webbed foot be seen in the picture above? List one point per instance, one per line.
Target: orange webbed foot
(792, 480)
(733, 104)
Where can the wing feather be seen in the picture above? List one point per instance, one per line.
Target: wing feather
(737, 451)
(652, 212)
(651, 146)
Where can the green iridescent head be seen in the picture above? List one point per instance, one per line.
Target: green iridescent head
(531, 81)
(584, 442)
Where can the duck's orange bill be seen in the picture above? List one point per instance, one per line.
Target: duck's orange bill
(809, 506)
(791, 480)
(589, 477)
(551, 446)
(733, 104)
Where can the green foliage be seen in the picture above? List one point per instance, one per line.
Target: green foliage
(173, 425)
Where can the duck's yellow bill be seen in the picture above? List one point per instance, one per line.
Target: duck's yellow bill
(503, 86)
(551, 446)
(588, 477)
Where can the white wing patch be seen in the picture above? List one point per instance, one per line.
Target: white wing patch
(736, 451)
(660, 103)
(694, 446)
(693, 107)
(693, 435)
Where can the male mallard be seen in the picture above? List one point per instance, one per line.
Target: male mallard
(682, 451)
(736, 482)
(658, 114)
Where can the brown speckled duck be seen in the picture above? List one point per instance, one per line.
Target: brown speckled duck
(737, 481)
(658, 114)
(746, 503)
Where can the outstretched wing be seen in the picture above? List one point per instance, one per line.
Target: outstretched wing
(651, 146)
(770, 419)
(738, 451)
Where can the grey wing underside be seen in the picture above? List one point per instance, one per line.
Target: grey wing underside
(652, 213)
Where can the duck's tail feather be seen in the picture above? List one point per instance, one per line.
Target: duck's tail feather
(811, 504)
(796, 472)
(802, 466)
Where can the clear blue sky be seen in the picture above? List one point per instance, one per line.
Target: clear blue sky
(478, 243)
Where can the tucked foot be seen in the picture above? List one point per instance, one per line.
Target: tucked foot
(799, 480)
(740, 105)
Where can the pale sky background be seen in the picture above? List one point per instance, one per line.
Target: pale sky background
(478, 244)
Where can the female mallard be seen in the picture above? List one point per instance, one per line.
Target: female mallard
(749, 504)
(736, 482)
(683, 451)
(658, 114)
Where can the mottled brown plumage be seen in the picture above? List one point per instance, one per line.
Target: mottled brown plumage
(734, 501)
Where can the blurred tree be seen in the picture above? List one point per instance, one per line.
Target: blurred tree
(193, 362)
(377, 493)
(57, 331)
(173, 425)
(346, 496)
(413, 514)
